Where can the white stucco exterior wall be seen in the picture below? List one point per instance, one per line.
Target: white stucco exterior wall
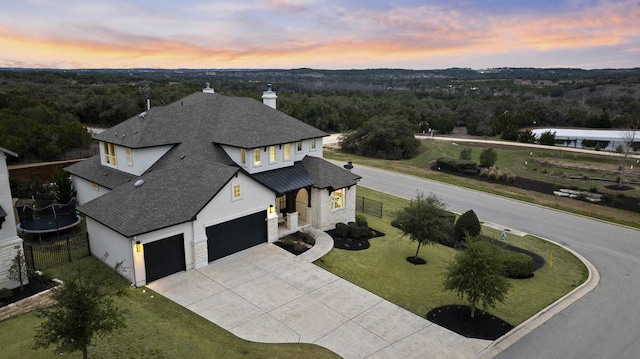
(86, 191)
(142, 158)
(265, 165)
(186, 229)
(223, 208)
(111, 247)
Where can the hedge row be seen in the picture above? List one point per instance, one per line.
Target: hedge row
(455, 164)
(514, 264)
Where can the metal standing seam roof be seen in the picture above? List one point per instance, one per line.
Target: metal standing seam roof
(284, 179)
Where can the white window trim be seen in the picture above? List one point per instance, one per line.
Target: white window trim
(342, 199)
(312, 144)
(110, 159)
(233, 192)
(287, 152)
(129, 157)
(257, 158)
(299, 146)
(273, 149)
(243, 156)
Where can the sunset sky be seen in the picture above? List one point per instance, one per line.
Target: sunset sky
(328, 34)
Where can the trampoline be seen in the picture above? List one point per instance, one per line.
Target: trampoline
(49, 219)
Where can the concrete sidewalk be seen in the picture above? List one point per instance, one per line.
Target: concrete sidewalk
(266, 294)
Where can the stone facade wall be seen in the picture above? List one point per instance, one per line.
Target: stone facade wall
(328, 217)
(8, 251)
(36, 301)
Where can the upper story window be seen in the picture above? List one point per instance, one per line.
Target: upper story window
(256, 157)
(312, 144)
(272, 154)
(338, 198)
(243, 156)
(287, 151)
(299, 146)
(129, 157)
(110, 154)
(237, 193)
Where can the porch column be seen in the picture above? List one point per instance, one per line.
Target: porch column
(272, 227)
(292, 220)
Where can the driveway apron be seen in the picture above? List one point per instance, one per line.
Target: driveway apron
(266, 294)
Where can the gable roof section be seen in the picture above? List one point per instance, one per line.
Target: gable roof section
(167, 197)
(327, 175)
(92, 171)
(235, 121)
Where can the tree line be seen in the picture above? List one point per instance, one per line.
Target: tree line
(43, 113)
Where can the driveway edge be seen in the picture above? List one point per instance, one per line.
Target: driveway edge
(545, 314)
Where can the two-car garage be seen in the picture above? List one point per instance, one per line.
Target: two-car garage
(236, 235)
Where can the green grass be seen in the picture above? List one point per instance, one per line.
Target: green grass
(156, 328)
(383, 270)
(513, 159)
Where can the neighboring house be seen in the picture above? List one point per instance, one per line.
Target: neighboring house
(181, 185)
(10, 243)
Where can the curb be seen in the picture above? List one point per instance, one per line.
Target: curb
(517, 333)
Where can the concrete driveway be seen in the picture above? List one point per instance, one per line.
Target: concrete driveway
(266, 294)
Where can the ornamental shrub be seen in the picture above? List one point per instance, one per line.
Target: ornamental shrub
(516, 265)
(488, 157)
(354, 230)
(342, 229)
(5, 293)
(361, 220)
(467, 224)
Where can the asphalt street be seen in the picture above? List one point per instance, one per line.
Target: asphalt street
(603, 324)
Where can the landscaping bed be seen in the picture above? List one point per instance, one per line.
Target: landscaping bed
(619, 201)
(457, 318)
(348, 242)
(296, 243)
(32, 288)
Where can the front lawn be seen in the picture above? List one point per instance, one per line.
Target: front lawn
(156, 328)
(383, 270)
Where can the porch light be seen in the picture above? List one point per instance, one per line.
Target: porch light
(272, 209)
(138, 246)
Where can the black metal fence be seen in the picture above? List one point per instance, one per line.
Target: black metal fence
(369, 206)
(47, 254)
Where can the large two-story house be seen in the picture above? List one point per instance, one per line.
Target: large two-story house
(181, 185)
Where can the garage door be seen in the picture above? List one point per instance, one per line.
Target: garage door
(164, 257)
(236, 235)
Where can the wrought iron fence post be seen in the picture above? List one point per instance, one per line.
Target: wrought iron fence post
(69, 249)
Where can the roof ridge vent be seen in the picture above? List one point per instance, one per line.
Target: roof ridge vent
(208, 89)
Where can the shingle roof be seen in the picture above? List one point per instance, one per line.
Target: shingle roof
(92, 171)
(167, 197)
(235, 121)
(192, 172)
(327, 175)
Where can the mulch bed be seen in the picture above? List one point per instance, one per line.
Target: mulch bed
(30, 289)
(416, 260)
(351, 244)
(625, 203)
(457, 318)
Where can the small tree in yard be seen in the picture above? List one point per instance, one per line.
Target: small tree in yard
(423, 220)
(488, 157)
(467, 224)
(85, 309)
(18, 270)
(476, 274)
